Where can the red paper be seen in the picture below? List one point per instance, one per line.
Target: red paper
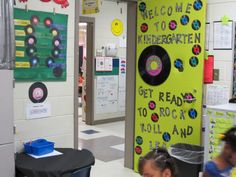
(208, 69)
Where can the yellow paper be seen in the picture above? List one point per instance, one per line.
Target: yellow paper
(19, 32)
(117, 27)
(20, 43)
(19, 22)
(90, 6)
(20, 53)
(22, 65)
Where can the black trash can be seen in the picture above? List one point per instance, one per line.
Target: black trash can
(188, 159)
(71, 163)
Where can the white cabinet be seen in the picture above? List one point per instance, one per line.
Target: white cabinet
(7, 167)
(6, 106)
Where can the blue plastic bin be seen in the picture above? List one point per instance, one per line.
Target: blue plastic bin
(39, 147)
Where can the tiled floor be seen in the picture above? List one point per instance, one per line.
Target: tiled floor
(107, 145)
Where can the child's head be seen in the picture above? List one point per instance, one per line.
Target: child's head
(157, 163)
(229, 150)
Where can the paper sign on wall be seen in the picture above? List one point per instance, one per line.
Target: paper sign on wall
(217, 94)
(38, 110)
(106, 94)
(104, 64)
(90, 6)
(223, 36)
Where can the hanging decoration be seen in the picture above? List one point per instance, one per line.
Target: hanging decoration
(23, 0)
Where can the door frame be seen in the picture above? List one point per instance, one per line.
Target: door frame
(90, 35)
(130, 84)
(130, 80)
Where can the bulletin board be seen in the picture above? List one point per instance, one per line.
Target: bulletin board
(41, 46)
(218, 122)
(169, 74)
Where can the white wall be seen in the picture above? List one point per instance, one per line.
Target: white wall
(59, 127)
(108, 12)
(216, 9)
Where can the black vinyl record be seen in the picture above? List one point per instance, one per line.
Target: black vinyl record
(154, 65)
(57, 71)
(38, 92)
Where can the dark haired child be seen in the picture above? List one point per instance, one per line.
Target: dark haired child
(223, 165)
(157, 163)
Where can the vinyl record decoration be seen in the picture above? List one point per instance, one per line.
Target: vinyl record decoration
(38, 92)
(154, 65)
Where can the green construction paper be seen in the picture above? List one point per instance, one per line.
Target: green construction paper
(225, 20)
(206, 55)
(44, 46)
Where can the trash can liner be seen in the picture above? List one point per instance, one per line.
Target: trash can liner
(191, 154)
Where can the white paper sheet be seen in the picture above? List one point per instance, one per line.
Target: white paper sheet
(54, 153)
(122, 41)
(38, 110)
(122, 85)
(100, 64)
(217, 94)
(223, 38)
(106, 94)
(207, 36)
(108, 64)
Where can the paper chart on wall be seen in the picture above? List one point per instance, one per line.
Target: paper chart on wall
(218, 122)
(217, 94)
(122, 41)
(99, 63)
(122, 84)
(106, 94)
(223, 35)
(108, 62)
(104, 63)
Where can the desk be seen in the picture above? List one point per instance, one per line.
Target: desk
(56, 166)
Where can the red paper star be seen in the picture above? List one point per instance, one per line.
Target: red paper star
(63, 3)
